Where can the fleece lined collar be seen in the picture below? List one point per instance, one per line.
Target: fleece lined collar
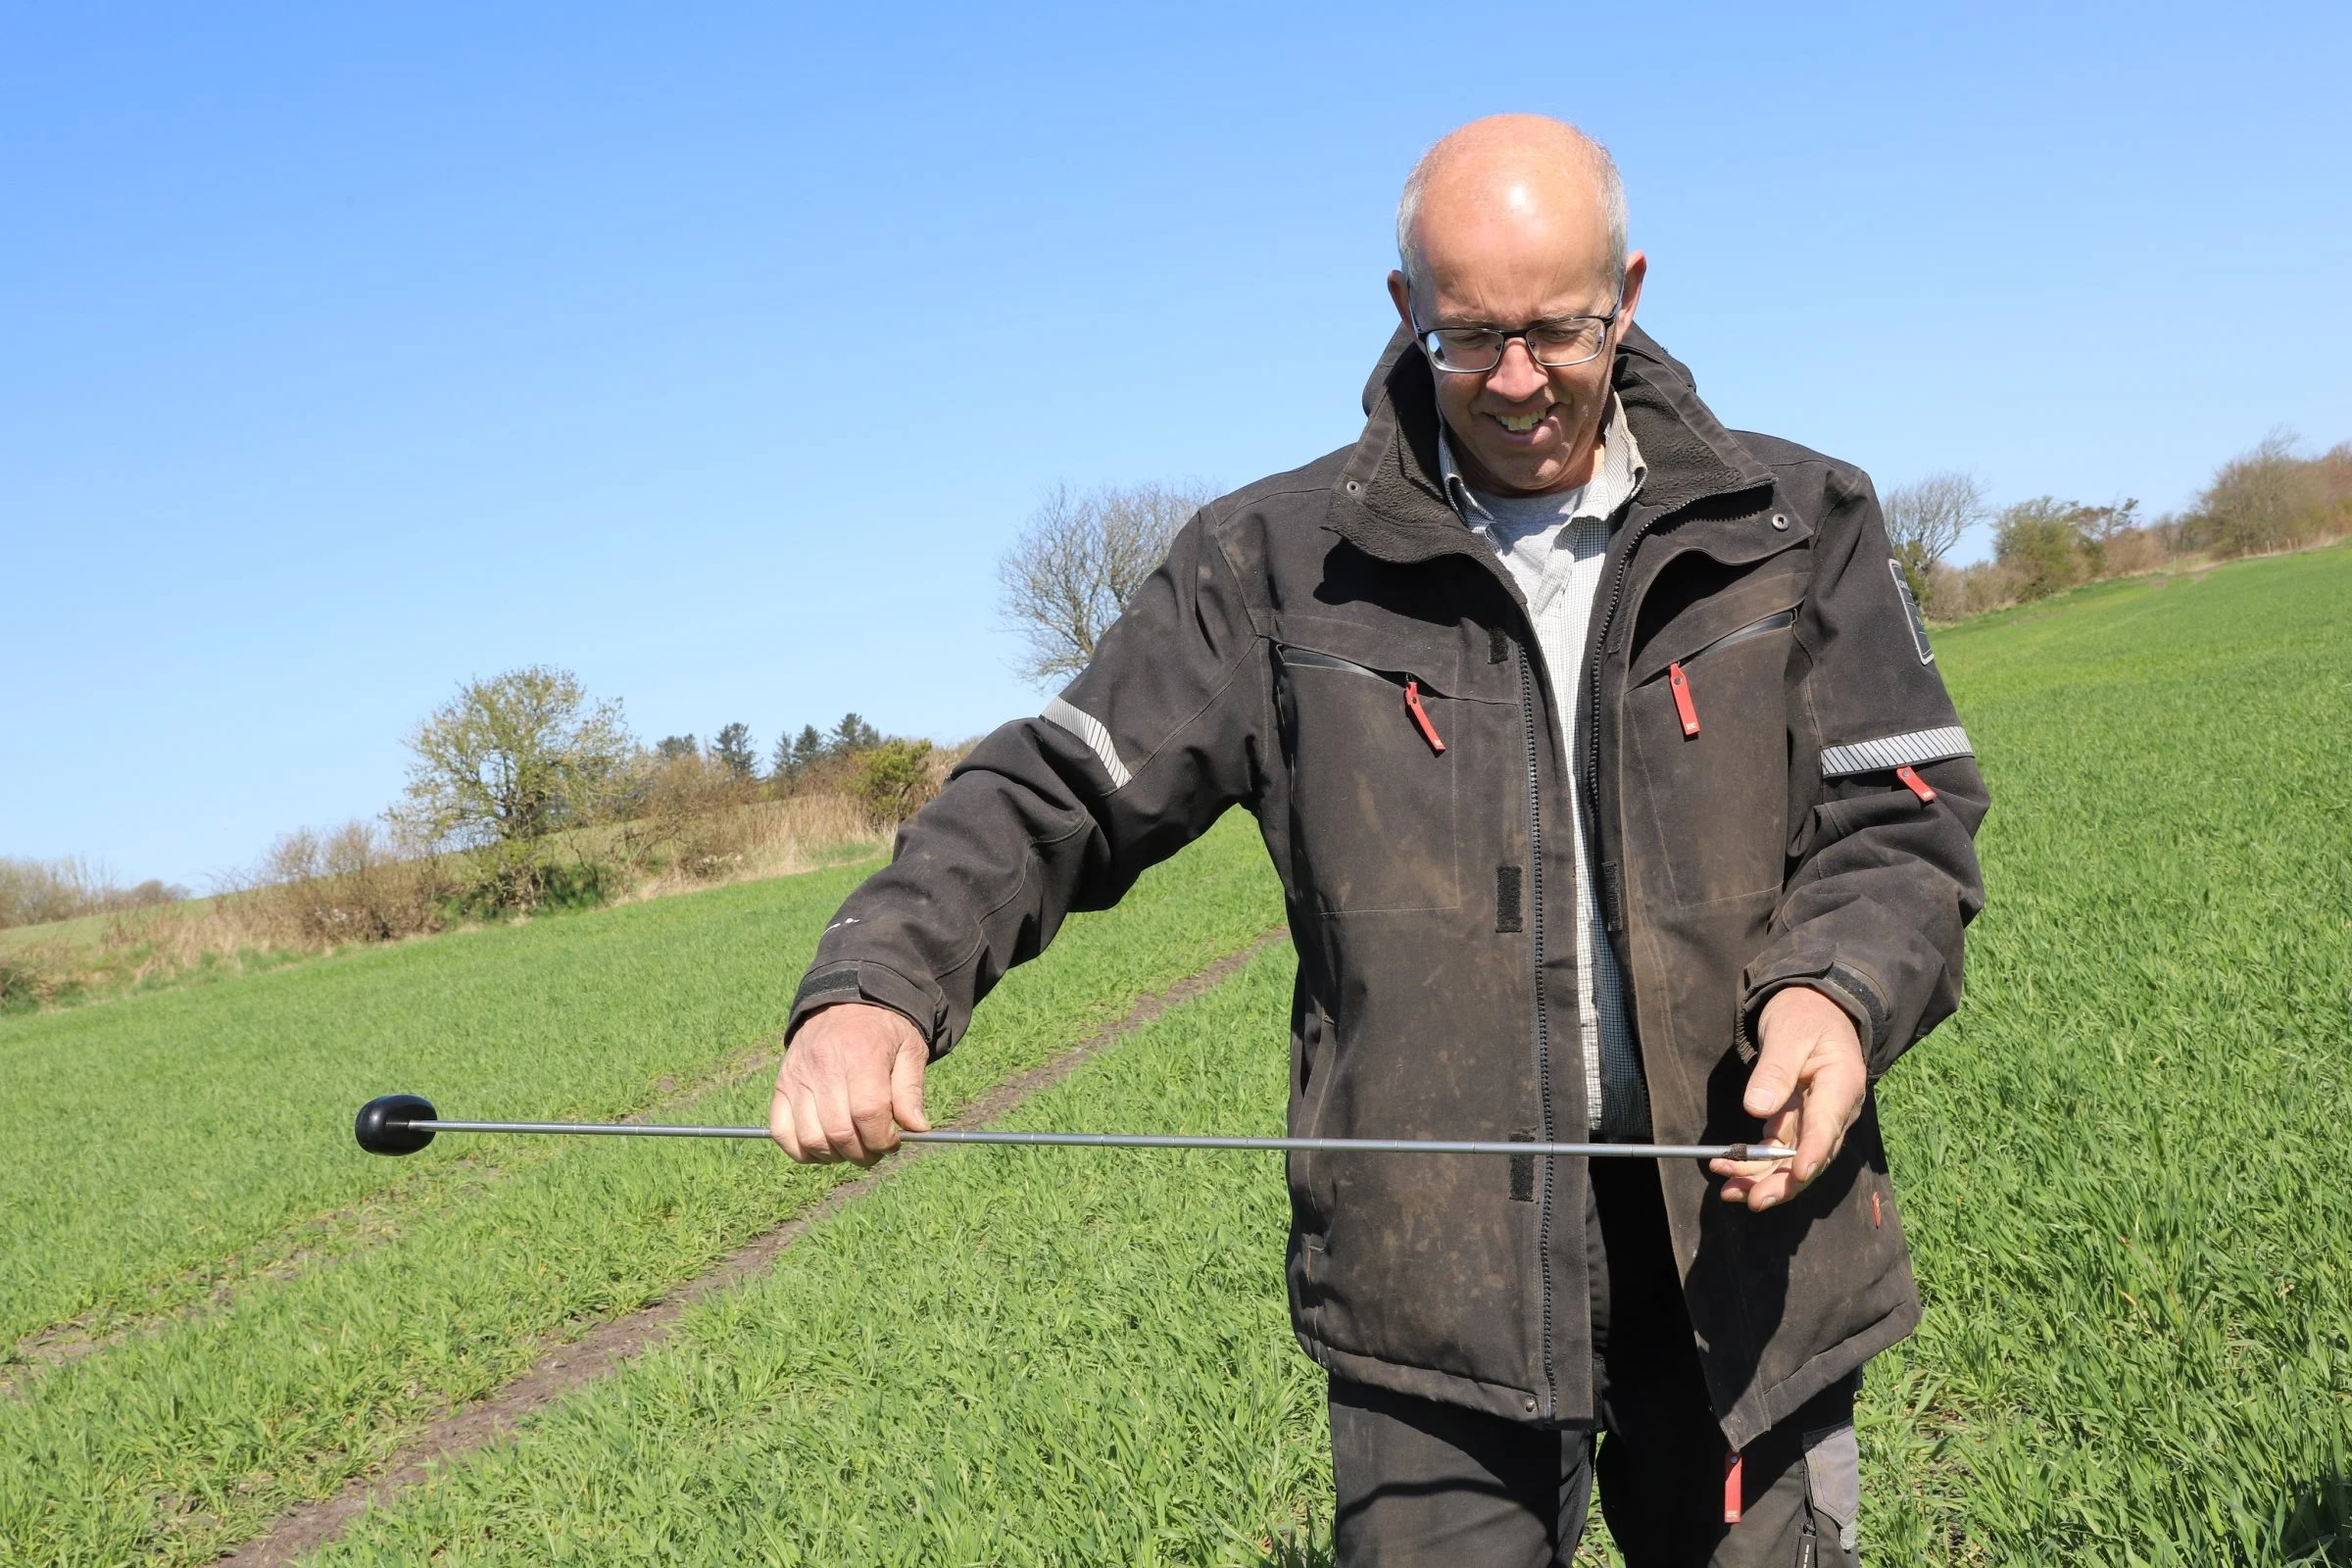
(1618, 476)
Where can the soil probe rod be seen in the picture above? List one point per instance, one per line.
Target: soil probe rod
(402, 1125)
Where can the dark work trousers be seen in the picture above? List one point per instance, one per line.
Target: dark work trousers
(1421, 1483)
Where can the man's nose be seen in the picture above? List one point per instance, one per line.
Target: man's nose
(1516, 377)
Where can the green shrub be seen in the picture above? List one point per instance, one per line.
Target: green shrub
(894, 778)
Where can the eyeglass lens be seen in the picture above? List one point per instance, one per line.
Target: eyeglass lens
(1554, 344)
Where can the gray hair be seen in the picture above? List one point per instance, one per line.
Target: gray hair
(1612, 208)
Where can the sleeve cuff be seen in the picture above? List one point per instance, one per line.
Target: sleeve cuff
(1846, 987)
(828, 985)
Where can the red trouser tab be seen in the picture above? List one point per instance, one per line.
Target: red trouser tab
(1684, 707)
(1412, 703)
(1917, 785)
(1730, 1489)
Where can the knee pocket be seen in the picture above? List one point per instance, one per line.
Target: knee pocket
(1834, 1489)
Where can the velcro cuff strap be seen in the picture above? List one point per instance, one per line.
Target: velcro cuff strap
(868, 982)
(1889, 751)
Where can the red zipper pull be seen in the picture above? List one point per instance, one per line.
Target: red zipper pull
(1917, 785)
(1730, 1487)
(1412, 706)
(1682, 699)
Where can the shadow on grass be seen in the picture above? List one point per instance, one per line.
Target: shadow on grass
(2316, 1523)
(1301, 1544)
(1309, 1549)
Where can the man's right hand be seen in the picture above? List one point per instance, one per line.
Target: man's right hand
(852, 1079)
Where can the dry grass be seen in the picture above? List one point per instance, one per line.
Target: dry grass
(759, 839)
(40, 892)
(315, 893)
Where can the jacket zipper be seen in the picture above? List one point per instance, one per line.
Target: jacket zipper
(1412, 684)
(1534, 926)
(1590, 804)
(1307, 656)
(1754, 629)
(1684, 709)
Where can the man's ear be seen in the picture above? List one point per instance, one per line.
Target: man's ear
(1636, 268)
(1400, 295)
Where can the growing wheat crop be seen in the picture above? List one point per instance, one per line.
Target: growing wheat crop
(338, 1300)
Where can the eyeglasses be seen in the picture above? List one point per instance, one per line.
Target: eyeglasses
(1555, 344)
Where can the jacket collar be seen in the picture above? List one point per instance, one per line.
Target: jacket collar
(1392, 501)
(1614, 482)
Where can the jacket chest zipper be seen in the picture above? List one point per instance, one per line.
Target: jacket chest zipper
(1542, 1020)
(1754, 629)
(1411, 686)
(1686, 708)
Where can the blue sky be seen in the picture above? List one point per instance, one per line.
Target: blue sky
(717, 354)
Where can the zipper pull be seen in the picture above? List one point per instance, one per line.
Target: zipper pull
(1730, 1487)
(1412, 706)
(1683, 705)
(1917, 785)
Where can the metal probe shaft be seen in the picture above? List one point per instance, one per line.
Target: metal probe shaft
(1355, 1146)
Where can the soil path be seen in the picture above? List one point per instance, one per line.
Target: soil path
(215, 1287)
(304, 1530)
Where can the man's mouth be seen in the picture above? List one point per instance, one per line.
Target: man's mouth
(1520, 424)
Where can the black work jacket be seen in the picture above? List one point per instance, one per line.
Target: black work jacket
(1431, 893)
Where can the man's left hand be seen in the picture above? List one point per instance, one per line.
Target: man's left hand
(1807, 1086)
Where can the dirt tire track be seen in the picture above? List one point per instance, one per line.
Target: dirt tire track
(305, 1529)
(293, 1248)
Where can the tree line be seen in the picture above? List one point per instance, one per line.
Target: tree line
(2261, 502)
(34, 892)
(733, 749)
(545, 791)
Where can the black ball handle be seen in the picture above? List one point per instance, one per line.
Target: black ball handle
(379, 1130)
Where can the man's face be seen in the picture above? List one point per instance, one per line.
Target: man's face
(1520, 428)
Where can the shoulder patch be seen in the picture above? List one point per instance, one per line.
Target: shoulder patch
(1919, 622)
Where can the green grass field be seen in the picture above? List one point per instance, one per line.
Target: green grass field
(2123, 1162)
(181, 1172)
(1004, 1356)
(2119, 1169)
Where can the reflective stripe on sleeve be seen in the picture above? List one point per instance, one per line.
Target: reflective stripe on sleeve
(1896, 751)
(1090, 729)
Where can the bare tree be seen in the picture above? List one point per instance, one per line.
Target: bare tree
(1923, 520)
(1079, 560)
(2264, 499)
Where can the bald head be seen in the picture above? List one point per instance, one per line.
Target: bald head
(1541, 179)
(1516, 282)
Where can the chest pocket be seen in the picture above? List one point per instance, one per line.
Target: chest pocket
(1373, 755)
(1707, 718)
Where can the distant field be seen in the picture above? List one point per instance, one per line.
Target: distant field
(2120, 1169)
(167, 1145)
(83, 931)
(228, 936)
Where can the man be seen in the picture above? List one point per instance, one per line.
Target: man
(1614, 793)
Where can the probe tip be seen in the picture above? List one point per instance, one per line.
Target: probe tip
(376, 1133)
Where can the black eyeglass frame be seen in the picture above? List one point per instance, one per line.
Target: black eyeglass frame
(1502, 341)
